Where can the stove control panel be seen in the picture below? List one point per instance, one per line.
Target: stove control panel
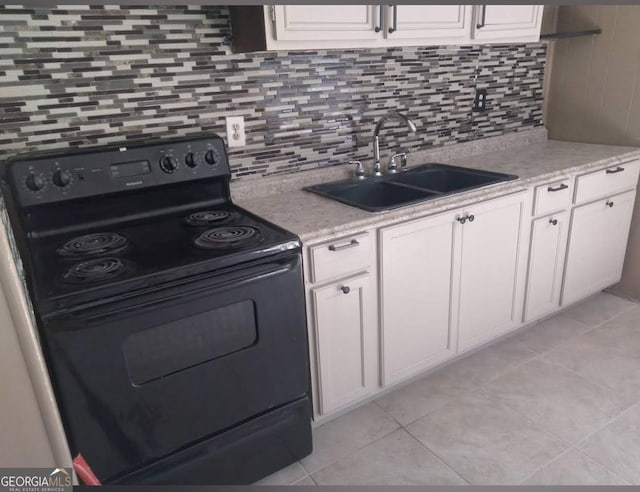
(83, 174)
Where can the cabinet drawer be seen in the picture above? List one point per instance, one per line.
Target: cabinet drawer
(552, 197)
(607, 181)
(341, 257)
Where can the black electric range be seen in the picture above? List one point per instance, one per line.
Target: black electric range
(172, 321)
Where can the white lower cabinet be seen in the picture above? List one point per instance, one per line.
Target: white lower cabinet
(492, 269)
(345, 335)
(546, 265)
(450, 282)
(597, 244)
(415, 293)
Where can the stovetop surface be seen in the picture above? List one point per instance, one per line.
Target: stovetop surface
(147, 252)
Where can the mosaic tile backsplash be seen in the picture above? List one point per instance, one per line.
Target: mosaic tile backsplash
(85, 75)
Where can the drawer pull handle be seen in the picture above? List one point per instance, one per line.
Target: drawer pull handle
(614, 171)
(553, 221)
(345, 289)
(471, 218)
(353, 243)
(559, 188)
(462, 220)
(610, 204)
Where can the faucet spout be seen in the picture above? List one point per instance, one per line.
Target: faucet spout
(376, 136)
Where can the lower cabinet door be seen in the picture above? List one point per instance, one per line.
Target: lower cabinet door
(345, 341)
(546, 265)
(416, 280)
(597, 245)
(492, 270)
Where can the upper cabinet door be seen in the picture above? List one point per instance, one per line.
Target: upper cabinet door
(325, 22)
(508, 23)
(433, 23)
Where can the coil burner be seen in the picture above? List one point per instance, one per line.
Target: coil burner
(90, 245)
(207, 218)
(222, 238)
(97, 270)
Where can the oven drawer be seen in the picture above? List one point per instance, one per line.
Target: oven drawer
(552, 197)
(340, 257)
(607, 182)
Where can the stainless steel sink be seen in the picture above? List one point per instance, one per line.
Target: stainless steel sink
(416, 185)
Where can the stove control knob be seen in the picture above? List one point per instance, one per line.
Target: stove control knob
(34, 183)
(211, 157)
(61, 178)
(169, 164)
(191, 160)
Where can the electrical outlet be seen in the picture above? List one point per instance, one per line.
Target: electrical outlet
(235, 131)
(480, 102)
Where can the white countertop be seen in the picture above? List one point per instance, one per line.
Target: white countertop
(313, 217)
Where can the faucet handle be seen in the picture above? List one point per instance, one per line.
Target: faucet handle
(392, 167)
(359, 172)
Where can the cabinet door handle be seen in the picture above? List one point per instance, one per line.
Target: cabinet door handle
(462, 220)
(559, 188)
(614, 171)
(610, 204)
(351, 244)
(471, 218)
(483, 14)
(553, 221)
(345, 289)
(394, 23)
(380, 20)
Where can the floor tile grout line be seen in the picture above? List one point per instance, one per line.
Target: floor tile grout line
(552, 460)
(440, 458)
(599, 427)
(602, 465)
(390, 415)
(592, 381)
(354, 451)
(574, 445)
(629, 308)
(610, 421)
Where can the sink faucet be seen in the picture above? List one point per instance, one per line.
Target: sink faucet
(376, 137)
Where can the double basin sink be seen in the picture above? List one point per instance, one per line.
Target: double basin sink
(418, 184)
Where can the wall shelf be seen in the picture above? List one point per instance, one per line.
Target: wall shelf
(570, 34)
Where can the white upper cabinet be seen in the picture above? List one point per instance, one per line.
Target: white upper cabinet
(437, 23)
(290, 27)
(507, 23)
(325, 22)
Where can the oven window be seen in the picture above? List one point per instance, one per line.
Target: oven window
(172, 347)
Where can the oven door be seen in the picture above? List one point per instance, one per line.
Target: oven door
(141, 378)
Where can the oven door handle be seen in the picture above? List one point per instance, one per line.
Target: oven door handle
(78, 318)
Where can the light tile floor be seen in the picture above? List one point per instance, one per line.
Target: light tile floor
(556, 404)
